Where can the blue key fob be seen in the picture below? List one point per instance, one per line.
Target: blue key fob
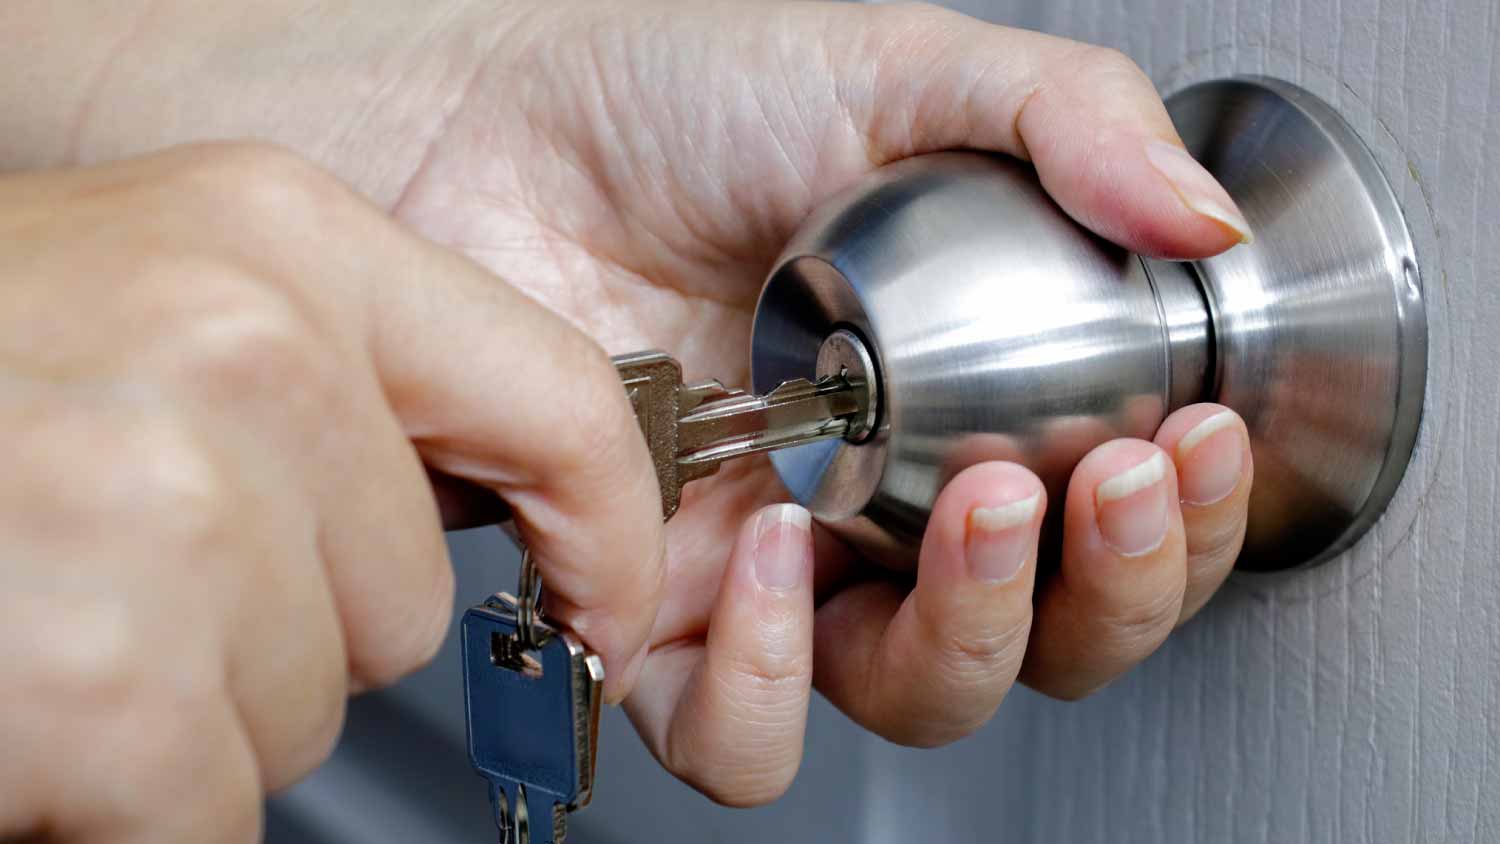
(533, 720)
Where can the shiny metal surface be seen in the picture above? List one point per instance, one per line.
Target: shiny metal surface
(1322, 332)
(735, 424)
(1000, 329)
(690, 429)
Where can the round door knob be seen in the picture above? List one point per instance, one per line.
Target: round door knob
(994, 327)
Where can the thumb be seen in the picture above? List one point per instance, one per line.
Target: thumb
(1087, 117)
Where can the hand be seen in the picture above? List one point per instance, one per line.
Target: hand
(220, 374)
(637, 167)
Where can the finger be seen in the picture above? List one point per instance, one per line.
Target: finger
(383, 545)
(513, 397)
(1118, 592)
(1087, 117)
(283, 360)
(1211, 449)
(190, 769)
(201, 787)
(288, 670)
(931, 666)
(729, 716)
(490, 386)
(372, 524)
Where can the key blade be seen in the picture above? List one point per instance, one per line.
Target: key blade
(796, 412)
(693, 396)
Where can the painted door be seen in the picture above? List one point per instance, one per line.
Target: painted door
(1356, 702)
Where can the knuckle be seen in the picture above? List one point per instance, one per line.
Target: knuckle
(974, 652)
(1214, 541)
(177, 487)
(970, 670)
(134, 470)
(257, 183)
(260, 346)
(1135, 629)
(765, 681)
(101, 672)
(1108, 63)
(968, 655)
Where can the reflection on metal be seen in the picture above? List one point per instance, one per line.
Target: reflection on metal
(996, 328)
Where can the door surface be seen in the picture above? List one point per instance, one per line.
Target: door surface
(1356, 702)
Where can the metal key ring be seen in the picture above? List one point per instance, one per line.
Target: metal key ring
(528, 602)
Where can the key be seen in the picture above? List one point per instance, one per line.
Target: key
(532, 689)
(691, 429)
(533, 720)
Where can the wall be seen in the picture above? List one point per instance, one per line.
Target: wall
(1361, 701)
(1358, 702)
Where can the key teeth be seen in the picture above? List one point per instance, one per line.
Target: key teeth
(693, 395)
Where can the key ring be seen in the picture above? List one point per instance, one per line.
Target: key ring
(528, 602)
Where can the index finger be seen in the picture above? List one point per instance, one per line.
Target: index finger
(495, 389)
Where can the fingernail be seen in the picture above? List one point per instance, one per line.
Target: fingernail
(782, 549)
(1198, 190)
(998, 539)
(1132, 507)
(1211, 457)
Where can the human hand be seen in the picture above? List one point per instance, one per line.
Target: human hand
(222, 374)
(637, 167)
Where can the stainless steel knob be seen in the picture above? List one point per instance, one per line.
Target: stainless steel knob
(994, 327)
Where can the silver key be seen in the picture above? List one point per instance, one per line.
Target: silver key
(691, 429)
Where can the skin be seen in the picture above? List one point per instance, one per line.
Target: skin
(226, 365)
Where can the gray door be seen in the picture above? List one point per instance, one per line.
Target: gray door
(1356, 702)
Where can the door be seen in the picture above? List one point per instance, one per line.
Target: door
(1359, 701)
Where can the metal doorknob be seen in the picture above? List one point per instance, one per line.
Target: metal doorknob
(994, 327)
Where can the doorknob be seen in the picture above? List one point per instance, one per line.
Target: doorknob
(994, 327)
